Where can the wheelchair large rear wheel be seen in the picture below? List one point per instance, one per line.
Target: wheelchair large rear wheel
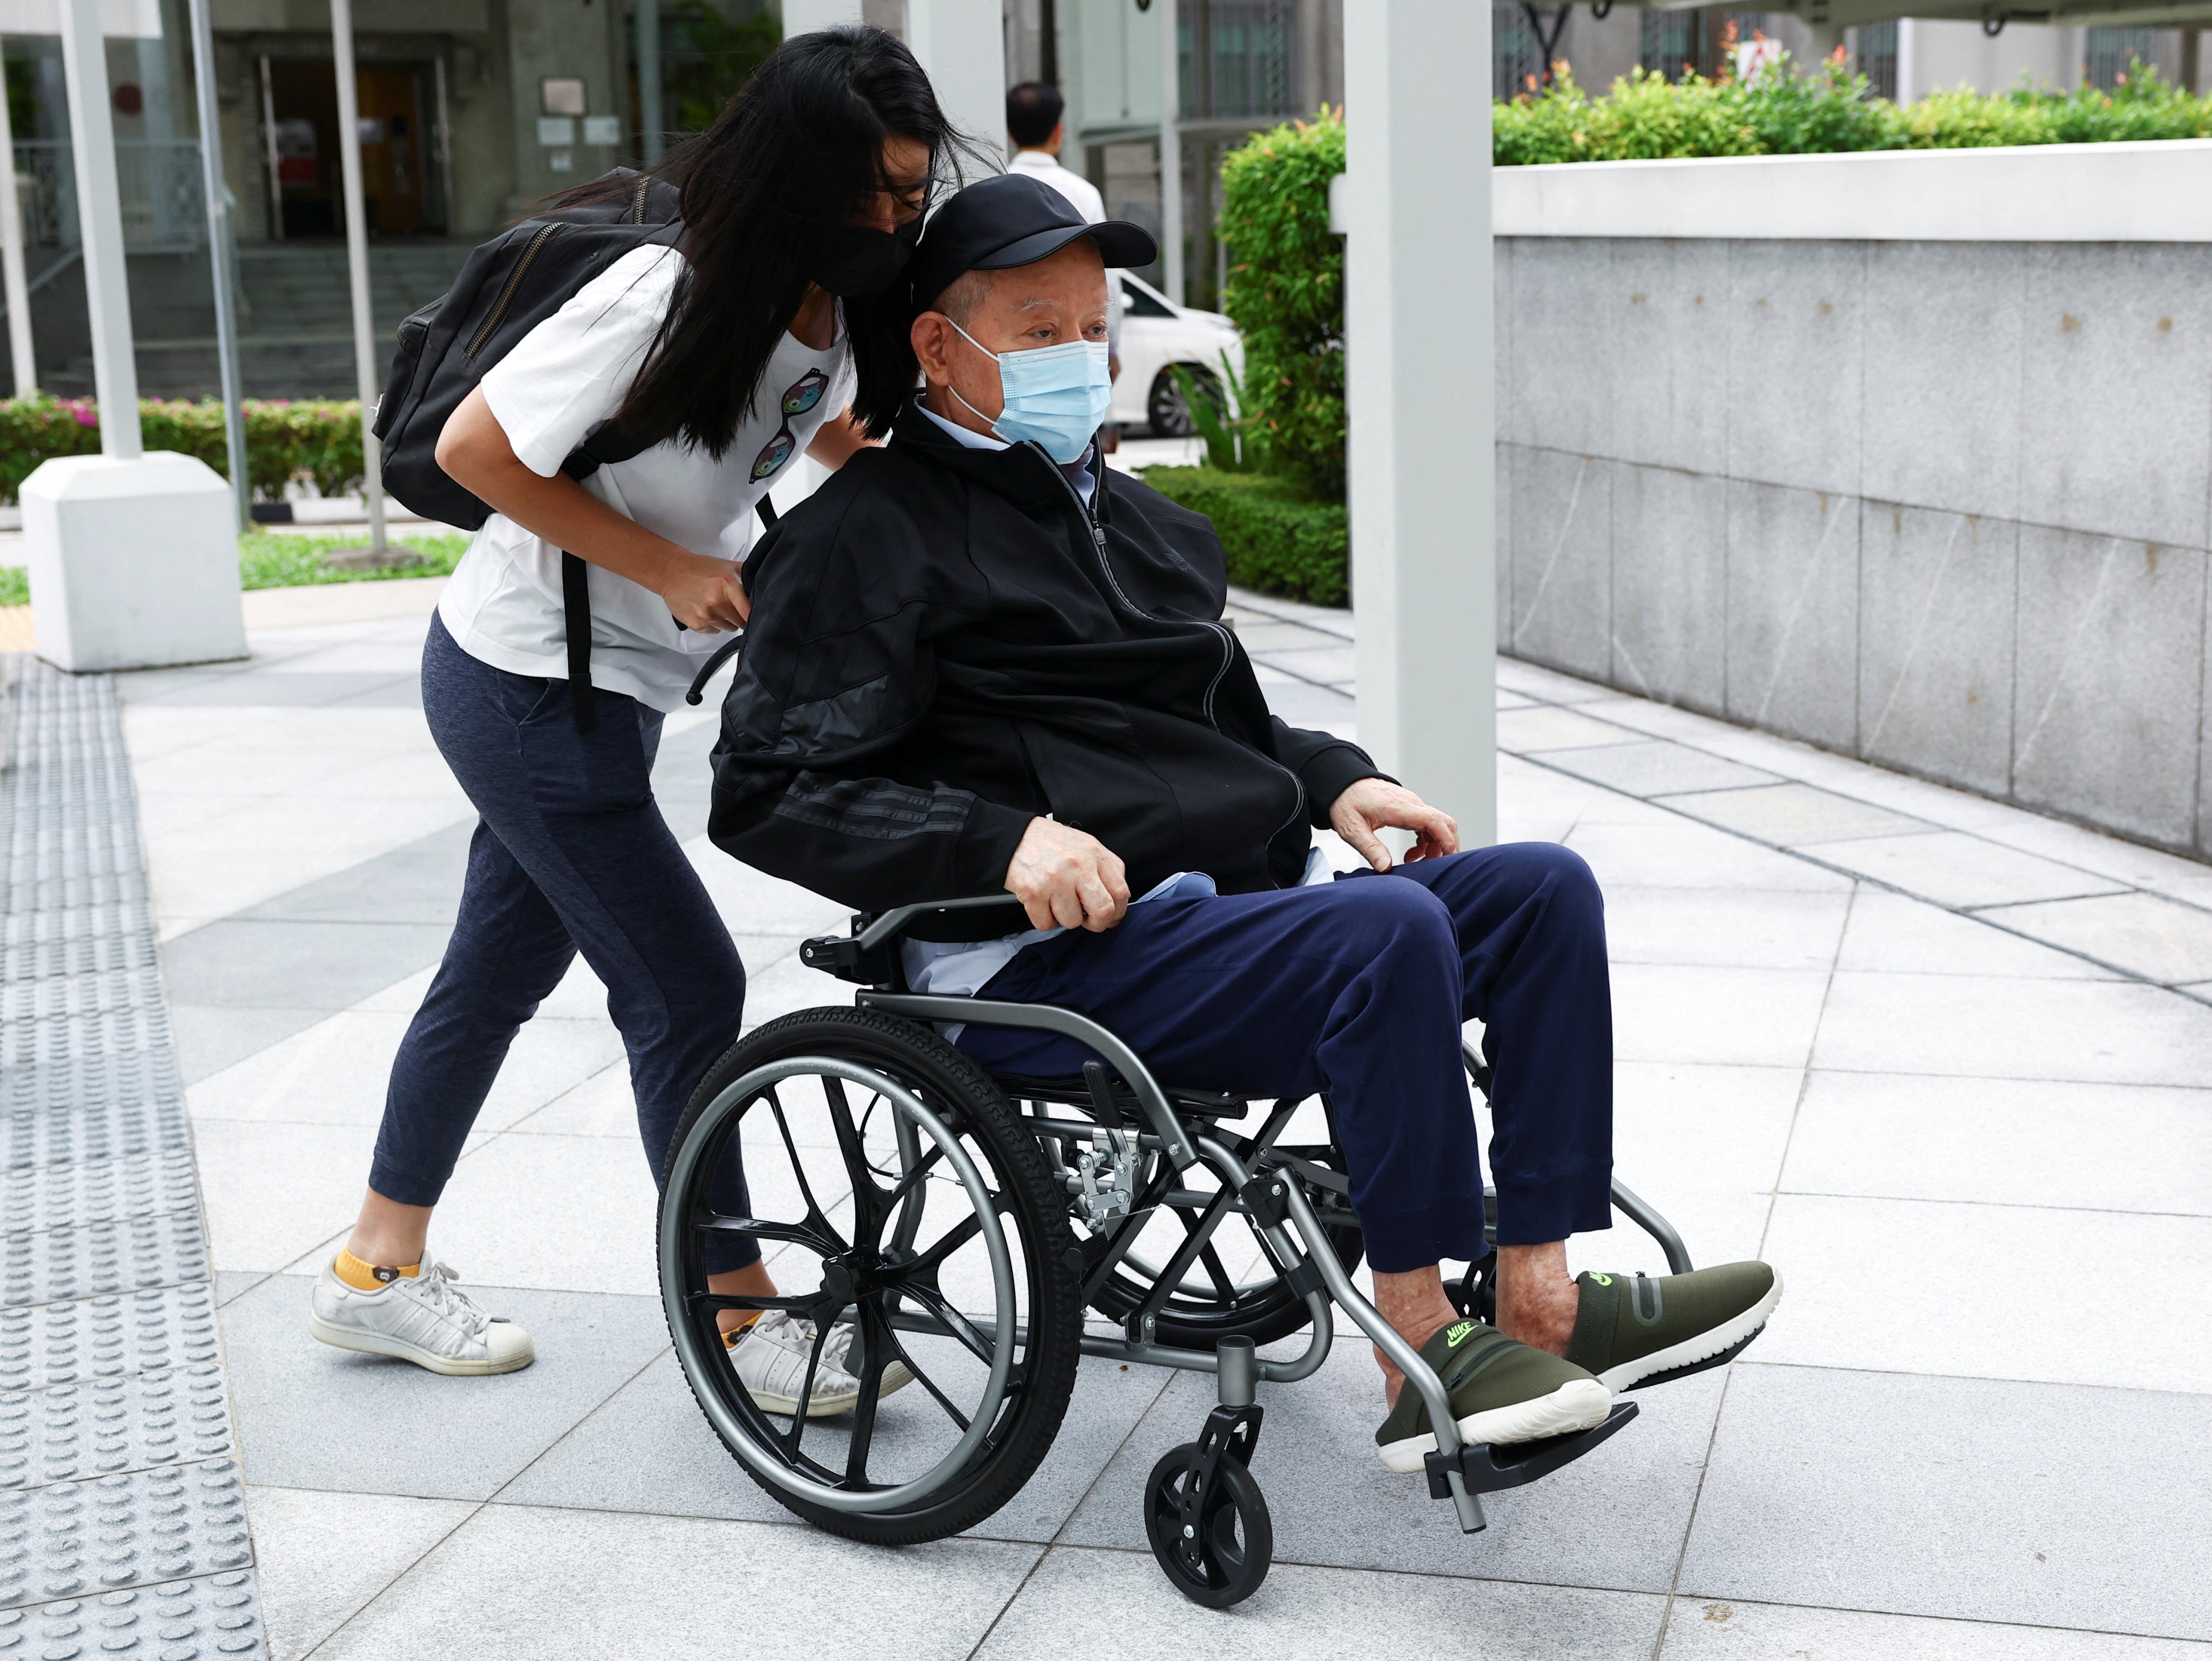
(897, 1198)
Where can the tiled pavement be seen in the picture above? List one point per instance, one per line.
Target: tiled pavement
(1924, 1052)
(122, 1506)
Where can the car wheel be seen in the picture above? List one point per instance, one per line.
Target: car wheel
(1164, 407)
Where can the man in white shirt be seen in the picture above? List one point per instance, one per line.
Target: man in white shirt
(1033, 122)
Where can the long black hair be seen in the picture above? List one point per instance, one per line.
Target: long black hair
(770, 193)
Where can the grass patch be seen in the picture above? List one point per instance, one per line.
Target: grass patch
(273, 560)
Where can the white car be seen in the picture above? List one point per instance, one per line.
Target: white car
(1156, 332)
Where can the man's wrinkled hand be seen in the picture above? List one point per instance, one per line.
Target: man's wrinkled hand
(1371, 804)
(1067, 877)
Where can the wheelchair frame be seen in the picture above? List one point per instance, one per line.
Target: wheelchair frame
(1263, 1184)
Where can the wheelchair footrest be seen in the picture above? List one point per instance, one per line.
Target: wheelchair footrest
(1487, 1469)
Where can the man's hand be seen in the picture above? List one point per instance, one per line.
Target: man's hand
(705, 594)
(1368, 804)
(1067, 877)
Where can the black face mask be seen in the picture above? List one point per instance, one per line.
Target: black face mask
(858, 259)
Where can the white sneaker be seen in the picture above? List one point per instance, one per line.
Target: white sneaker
(424, 1318)
(770, 1357)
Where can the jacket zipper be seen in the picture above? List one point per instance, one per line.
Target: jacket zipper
(1228, 649)
(507, 294)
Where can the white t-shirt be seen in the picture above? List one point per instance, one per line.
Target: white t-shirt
(563, 379)
(1081, 193)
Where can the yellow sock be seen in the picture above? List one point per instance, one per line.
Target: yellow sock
(367, 1277)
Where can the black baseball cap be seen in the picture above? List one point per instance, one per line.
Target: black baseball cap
(1009, 220)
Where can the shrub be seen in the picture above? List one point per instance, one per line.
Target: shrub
(1277, 539)
(1286, 295)
(312, 441)
(1782, 112)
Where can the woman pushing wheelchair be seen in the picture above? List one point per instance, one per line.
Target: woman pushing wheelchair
(741, 311)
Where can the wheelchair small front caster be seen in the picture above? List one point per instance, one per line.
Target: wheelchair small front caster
(1204, 1514)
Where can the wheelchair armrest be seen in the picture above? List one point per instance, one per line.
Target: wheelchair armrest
(867, 957)
(959, 922)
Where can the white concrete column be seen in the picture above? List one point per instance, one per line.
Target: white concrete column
(1418, 330)
(1908, 60)
(1171, 150)
(356, 222)
(222, 257)
(962, 46)
(17, 290)
(133, 557)
(100, 220)
(652, 122)
(1067, 18)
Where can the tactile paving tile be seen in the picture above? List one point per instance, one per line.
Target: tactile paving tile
(129, 1104)
(79, 1539)
(122, 1509)
(107, 1337)
(71, 1037)
(208, 1619)
(76, 1432)
(90, 941)
(150, 1184)
(91, 1258)
(35, 892)
(61, 996)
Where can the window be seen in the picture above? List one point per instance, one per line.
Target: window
(1877, 58)
(1517, 56)
(1237, 59)
(2107, 54)
(1142, 303)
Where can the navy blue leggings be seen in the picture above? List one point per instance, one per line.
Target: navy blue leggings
(1358, 987)
(570, 854)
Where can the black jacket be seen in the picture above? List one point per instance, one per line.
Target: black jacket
(946, 643)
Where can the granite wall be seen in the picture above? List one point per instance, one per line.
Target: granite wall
(1940, 505)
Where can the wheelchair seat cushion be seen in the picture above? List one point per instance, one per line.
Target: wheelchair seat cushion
(1501, 1390)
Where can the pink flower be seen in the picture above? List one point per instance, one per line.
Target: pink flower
(86, 415)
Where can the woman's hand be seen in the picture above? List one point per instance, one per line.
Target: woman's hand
(705, 594)
(1368, 804)
(702, 593)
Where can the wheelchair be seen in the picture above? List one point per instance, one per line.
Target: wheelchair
(963, 1223)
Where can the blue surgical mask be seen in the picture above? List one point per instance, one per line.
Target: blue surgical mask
(1056, 395)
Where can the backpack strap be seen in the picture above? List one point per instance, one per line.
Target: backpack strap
(576, 617)
(603, 445)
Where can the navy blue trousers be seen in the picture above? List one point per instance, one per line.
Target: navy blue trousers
(570, 854)
(1358, 988)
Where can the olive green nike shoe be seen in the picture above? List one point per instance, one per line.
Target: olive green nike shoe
(1632, 1330)
(1500, 1390)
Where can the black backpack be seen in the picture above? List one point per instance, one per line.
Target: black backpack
(506, 288)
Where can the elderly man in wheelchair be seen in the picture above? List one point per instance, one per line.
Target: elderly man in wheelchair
(986, 699)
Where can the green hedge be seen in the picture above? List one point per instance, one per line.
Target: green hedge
(1781, 112)
(1286, 295)
(285, 440)
(1277, 539)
